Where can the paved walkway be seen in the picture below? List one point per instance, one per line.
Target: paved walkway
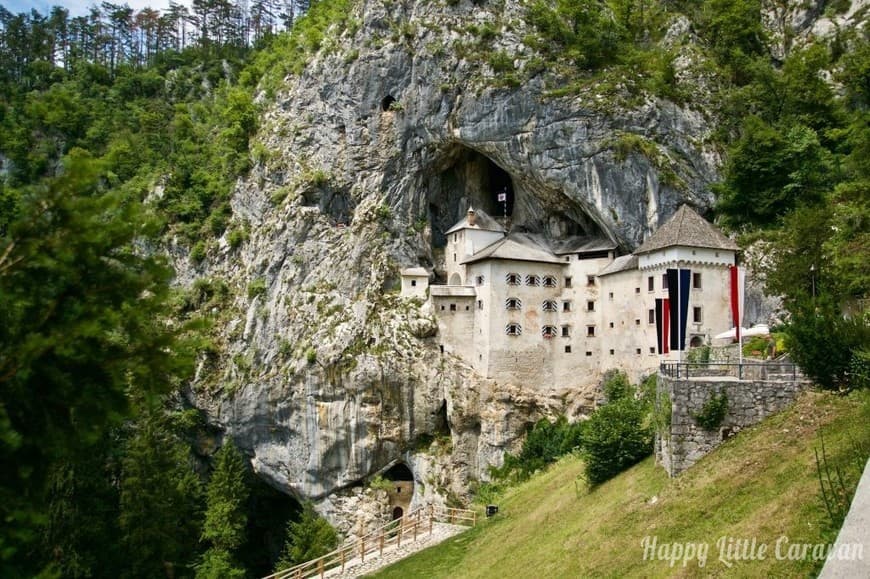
(850, 557)
(357, 568)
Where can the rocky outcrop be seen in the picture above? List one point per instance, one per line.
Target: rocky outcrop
(319, 370)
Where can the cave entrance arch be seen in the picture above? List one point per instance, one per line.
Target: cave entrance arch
(397, 513)
(467, 178)
(401, 490)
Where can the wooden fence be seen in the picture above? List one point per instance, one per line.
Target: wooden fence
(417, 523)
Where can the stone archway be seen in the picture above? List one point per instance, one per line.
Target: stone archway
(398, 512)
(401, 488)
(455, 279)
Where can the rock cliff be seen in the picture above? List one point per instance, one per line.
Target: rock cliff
(319, 370)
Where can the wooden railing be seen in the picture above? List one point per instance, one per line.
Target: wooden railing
(402, 530)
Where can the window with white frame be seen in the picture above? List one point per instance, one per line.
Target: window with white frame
(513, 304)
(548, 331)
(549, 306)
(513, 279)
(513, 330)
(533, 280)
(549, 281)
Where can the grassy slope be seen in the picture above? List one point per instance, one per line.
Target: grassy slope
(762, 484)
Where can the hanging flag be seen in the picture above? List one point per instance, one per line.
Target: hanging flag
(678, 295)
(738, 287)
(663, 325)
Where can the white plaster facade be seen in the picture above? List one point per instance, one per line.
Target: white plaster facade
(526, 314)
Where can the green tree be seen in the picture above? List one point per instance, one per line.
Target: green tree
(616, 436)
(82, 322)
(161, 498)
(225, 517)
(308, 538)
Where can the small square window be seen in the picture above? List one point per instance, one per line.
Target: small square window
(588, 353)
(610, 295)
(696, 280)
(612, 351)
(566, 331)
(413, 283)
(652, 350)
(590, 331)
(638, 351)
(651, 316)
(568, 282)
(636, 321)
(452, 307)
(611, 324)
(590, 306)
(590, 280)
(637, 290)
(442, 307)
(697, 316)
(467, 308)
(567, 349)
(566, 306)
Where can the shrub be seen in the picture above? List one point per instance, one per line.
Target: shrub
(308, 538)
(197, 252)
(616, 386)
(616, 437)
(545, 442)
(713, 412)
(256, 288)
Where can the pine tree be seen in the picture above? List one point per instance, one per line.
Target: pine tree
(308, 538)
(225, 517)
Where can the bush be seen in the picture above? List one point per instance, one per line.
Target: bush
(256, 288)
(616, 386)
(545, 442)
(616, 437)
(713, 412)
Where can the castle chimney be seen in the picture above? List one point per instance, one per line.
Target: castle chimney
(471, 218)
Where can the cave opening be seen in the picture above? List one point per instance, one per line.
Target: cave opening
(387, 102)
(466, 179)
(399, 472)
(268, 511)
(442, 422)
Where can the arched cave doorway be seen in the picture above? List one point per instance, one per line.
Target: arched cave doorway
(401, 488)
(387, 102)
(397, 513)
(468, 178)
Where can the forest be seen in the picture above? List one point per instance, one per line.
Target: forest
(105, 469)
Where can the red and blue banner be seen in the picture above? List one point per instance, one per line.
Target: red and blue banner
(679, 288)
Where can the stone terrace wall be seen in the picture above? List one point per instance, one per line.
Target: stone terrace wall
(684, 442)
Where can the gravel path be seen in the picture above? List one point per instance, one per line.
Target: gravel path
(356, 568)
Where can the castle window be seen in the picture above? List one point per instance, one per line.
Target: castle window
(549, 281)
(590, 306)
(696, 280)
(513, 330)
(513, 304)
(636, 321)
(513, 279)
(452, 307)
(697, 316)
(566, 331)
(467, 308)
(480, 304)
(533, 280)
(590, 280)
(664, 281)
(590, 331)
(567, 282)
(637, 290)
(566, 306)
(638, 351)
(651, 283)
(612, 351)
(479, 280)
(413, 283)
(548, 331)
(651, 316)
(652, 350)
(567, 349)
(610, 296)
(454, 257)
(588, 353)
(549, 306)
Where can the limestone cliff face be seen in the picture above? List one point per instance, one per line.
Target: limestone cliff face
(321, 372)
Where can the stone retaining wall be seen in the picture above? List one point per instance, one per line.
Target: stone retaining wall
(682, 442)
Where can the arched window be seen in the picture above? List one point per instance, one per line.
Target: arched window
(549, 306)
(479, 280)
(548, 332)
(513, 330)
(533, 280)
(549, 281)
(513, 304)
(513, 279)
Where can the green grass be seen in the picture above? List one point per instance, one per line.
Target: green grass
(762, 484)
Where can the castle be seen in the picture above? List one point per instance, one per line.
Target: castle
(520, 308)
